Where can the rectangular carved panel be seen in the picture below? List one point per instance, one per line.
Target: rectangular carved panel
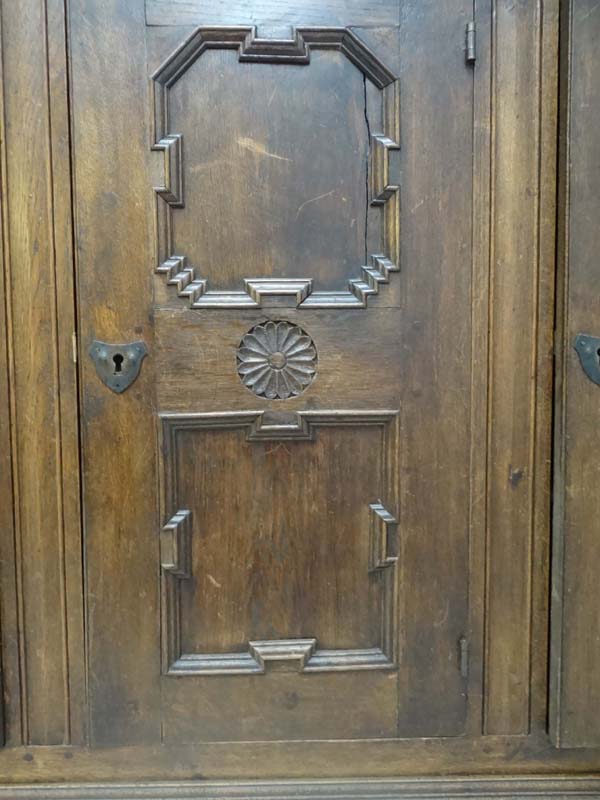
(280, 548)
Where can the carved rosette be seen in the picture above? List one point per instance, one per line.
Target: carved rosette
(277, 360)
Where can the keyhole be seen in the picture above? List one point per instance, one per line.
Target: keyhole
(118, 361)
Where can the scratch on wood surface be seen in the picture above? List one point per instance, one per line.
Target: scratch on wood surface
(589, 12)
(314, 200)
(259, 149)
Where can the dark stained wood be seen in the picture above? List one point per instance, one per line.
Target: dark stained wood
(575, 661)
(113, 210)
(519, 371)
(119, 689)
(284, 146)
(223, 608)
(343, 339)
(42, 599)
(273, 13)
(356, 353)
(290, 194)
(348, 583)
(241, 587)
(453, 756)
(436, 140)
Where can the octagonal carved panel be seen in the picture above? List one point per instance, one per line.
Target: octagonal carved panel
(362, 273)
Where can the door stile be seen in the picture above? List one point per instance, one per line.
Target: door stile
(42, 595)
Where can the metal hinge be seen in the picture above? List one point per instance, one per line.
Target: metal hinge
(463, 656)
(471, 37)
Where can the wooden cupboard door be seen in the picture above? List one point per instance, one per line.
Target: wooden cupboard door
(277, 508)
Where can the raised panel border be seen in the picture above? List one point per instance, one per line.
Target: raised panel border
(384, 173)
(175, 547)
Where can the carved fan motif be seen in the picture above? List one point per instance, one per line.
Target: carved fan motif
(277, 360)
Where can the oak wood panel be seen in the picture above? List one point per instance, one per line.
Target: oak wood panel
(521, 236)
(354, 348)
(347, 367)
(106, 556)
(300, 570)
(197, 374)
(43, 606)
(517, 755)
(300, 205)
(123, 688)
(335, 210)
(114, 257)
(273, 13)
(575, 657)
(242, 584)
(384, 40)
(438, 624)
(436, 124)
(163, 39)
(278, 709)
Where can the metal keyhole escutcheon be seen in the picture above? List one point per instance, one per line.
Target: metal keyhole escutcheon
(117, 365)
(588, 350)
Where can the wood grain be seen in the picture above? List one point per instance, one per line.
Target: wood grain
(336, 207)
(273, 13)
(435, 352)
(284, 149)
(575, 660)
(280, 525)
(45, 600)
(522, 208)
(533, 756)
(114, 217)
(264, 599)
(346, 374)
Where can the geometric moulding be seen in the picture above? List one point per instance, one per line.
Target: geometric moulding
(182, 547)
(192, 281)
